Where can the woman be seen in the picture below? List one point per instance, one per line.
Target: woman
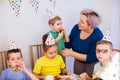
(83, 38)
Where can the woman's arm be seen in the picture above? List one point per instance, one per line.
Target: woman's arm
(76, 55)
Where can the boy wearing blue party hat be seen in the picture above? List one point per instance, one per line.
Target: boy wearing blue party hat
(16, 69)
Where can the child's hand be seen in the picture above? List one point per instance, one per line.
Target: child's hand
(21, 66)
(61, 29)
(67, 71)
(84, 76)
(60, 34)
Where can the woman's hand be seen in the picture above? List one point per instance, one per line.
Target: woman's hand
(66, 52)
(76, 55)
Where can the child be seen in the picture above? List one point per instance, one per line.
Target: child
(50, 63)
(104, 53)
(16, 69)
(58, 32)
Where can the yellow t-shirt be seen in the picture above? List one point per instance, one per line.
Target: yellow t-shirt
(45, 66)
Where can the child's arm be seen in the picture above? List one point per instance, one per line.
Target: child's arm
(62, 32)
(30, 75)
(66, 36)
(39, 76)
(59, 36)
(22, 67)
(66, 71)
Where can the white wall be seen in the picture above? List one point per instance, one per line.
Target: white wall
(28, 27)
(115, 23)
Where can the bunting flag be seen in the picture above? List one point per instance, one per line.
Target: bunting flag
(35, 5)
(15, 5)
(53, 2)
(50, 14)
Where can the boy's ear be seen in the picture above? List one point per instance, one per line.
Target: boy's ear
(51, 26)
(8, 63)
(112, 53)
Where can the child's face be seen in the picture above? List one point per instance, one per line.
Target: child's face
(51, 52)
(14, 59)
(103, 52)
(57, 25)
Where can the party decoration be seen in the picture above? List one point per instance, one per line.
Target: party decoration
(107, 36)
(50, 14)
(112, 70)
(15, 5)
(12, 45)
(53, 2)
(35, 5)
(50, 40)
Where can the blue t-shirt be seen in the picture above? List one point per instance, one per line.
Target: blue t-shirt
(9, 74)
(86, 46)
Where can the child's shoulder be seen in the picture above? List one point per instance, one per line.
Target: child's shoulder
(58, 56)
(7, 70)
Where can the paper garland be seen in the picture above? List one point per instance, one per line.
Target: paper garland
(50, 14)
(53, 2)
(15, 5)
(35, 5)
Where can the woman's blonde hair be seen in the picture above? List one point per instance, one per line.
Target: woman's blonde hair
(93, 18)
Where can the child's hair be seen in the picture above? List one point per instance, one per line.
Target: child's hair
(13, 51)
(52, 21)
(105, 42)
(45, 47)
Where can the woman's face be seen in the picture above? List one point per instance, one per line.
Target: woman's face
(51, 52)
(82, 23)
